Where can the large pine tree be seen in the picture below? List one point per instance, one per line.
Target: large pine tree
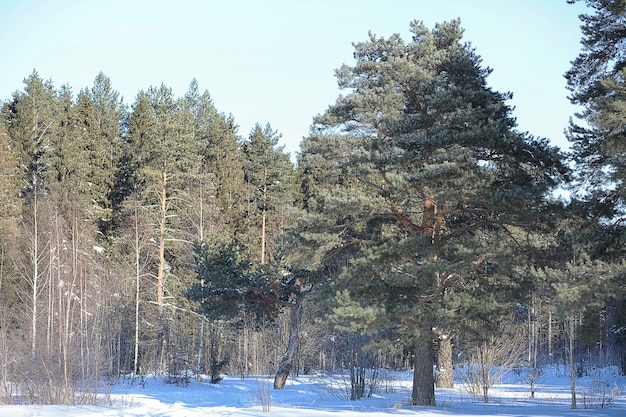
(597, 81)
(413, 174)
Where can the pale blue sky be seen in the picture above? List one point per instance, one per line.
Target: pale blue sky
(272, 61)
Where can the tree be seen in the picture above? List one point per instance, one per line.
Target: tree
(163, 157)
(358, 322)
(578, 282)
(581, 288)
(170, 157)
(597, 83)
(99, 121)
(32, 118)
(228, 284)
(291, 292)
(424, 170)
(203, 217)
(220, 289)
(10, 208)
(223, 162)
(271, 177)
(56, 251)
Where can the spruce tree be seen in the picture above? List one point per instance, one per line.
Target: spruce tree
(270, 176)
(10, 209)
(413, 174)
(223, 162)
(203, 215)
(32, 117)
(100, 115)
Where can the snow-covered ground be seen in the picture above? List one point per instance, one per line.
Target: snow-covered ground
(327, 396)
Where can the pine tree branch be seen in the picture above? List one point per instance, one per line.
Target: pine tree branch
(445, 286)
(483, 223)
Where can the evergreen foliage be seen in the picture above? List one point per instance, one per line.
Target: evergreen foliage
(100, 116)
(10, 209)
(271, 179)
(31, 118)
(596, 81)
(154, 239)
(222, 275)
(426, 174)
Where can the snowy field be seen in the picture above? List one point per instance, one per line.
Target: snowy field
(327, 396)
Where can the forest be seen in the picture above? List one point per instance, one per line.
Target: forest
(416, 229)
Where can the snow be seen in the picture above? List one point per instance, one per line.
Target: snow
(327, 395)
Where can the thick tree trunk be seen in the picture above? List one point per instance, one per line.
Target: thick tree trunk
(444, 378)
(423, 378)
(292, 346)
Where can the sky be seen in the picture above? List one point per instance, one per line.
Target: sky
(273, 61)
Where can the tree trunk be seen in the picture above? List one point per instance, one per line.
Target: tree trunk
(292, 346)
(35, 257)
(217, 363)
(160, 289)
(263, 218)
(444, 377)
(161, 274)
(533, 344)
(137, 288)
(200, 346)
(550, 354)
(572, 372)
(423, 378)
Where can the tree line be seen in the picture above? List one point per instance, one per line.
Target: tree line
(417, 225)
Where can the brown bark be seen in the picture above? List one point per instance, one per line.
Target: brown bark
(428, 219)
(423, 392)
(423, 379)
(292, 346)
